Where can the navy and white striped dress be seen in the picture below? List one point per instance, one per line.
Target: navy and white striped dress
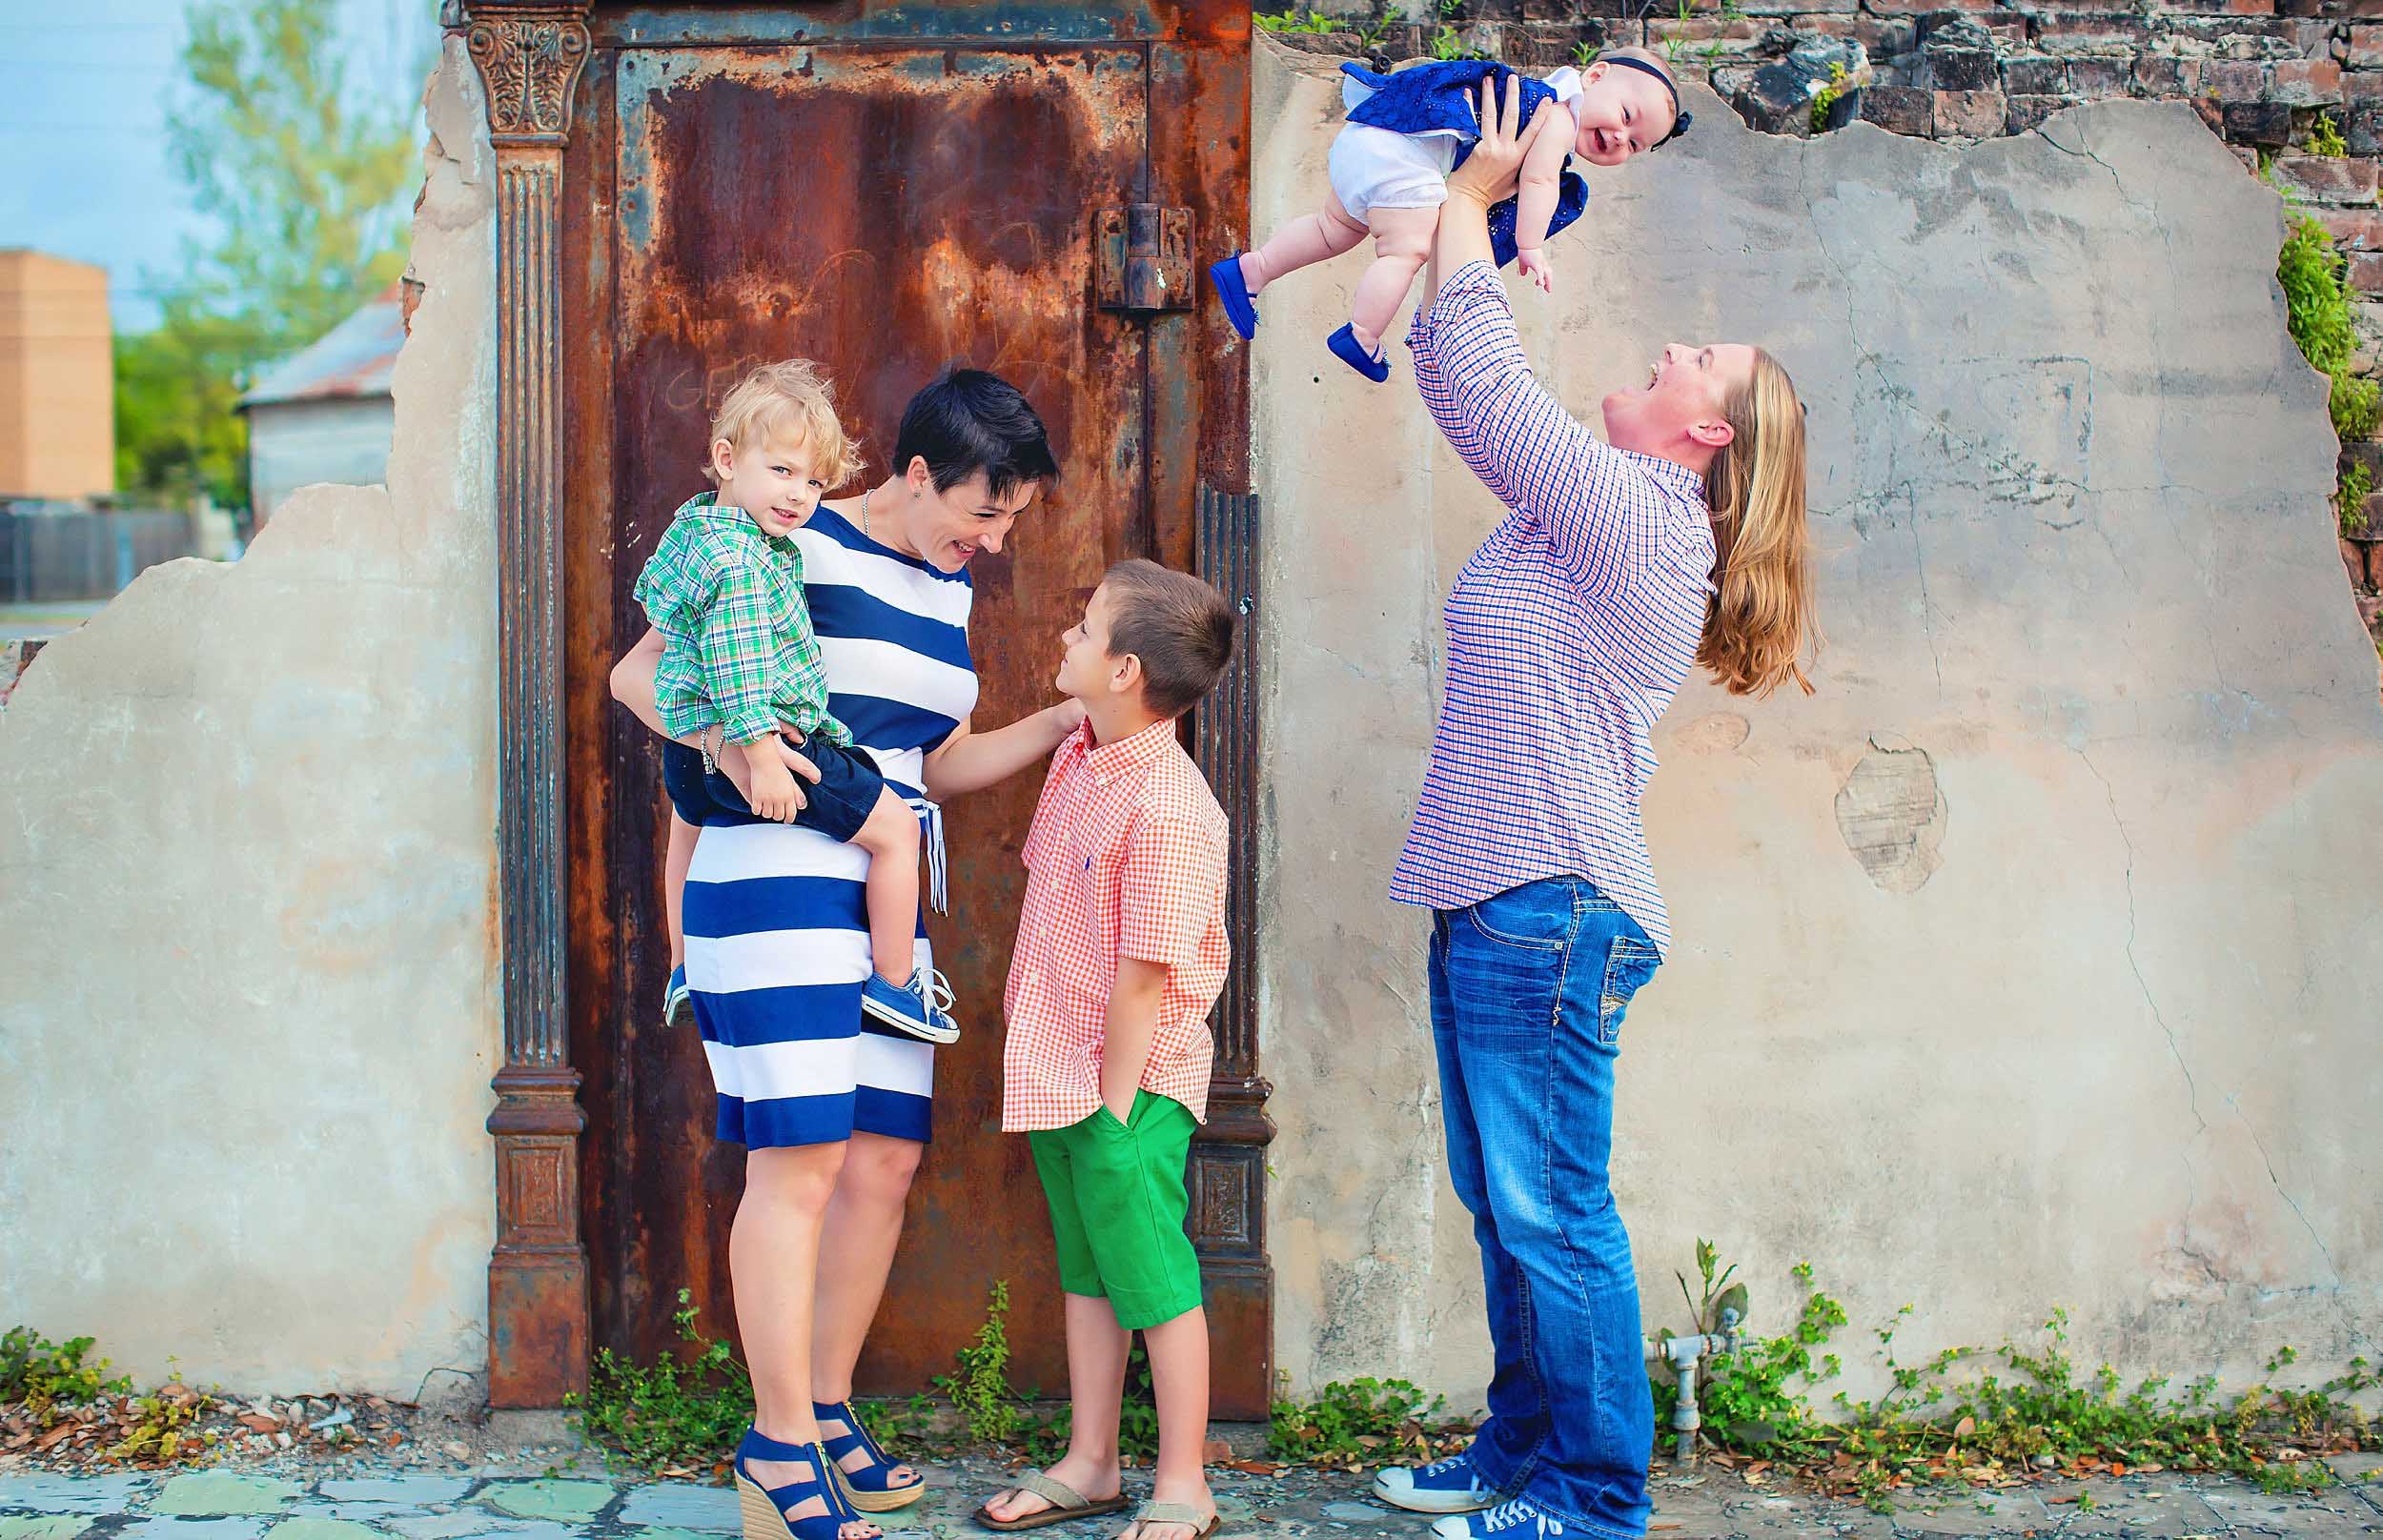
(777, 927)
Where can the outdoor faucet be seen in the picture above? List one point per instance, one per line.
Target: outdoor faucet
(1682, 1355)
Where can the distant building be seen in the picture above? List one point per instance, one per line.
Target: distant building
(58, 378)
(324, 414)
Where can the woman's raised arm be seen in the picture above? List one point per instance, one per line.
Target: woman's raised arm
(1535, 457)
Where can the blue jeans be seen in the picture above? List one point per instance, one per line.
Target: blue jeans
(1528, 990)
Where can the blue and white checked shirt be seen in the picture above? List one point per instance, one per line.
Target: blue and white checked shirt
(1568, 632)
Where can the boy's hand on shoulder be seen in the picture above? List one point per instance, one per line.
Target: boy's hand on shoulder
(1537, 268)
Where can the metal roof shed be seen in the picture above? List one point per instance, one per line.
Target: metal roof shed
(324, 414)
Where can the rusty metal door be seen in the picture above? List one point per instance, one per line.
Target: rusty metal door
(890, 190)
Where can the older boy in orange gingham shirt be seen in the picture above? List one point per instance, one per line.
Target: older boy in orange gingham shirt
(1121, 953)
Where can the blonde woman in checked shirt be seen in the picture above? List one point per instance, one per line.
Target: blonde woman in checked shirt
(1679, 540)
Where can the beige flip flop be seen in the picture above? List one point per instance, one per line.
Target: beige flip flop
(1183, 1513)
(1066, 1503)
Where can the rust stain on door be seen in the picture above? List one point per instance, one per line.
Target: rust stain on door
(811, 181)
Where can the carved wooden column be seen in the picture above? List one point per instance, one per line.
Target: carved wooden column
(529, 57)
(1229, 1158)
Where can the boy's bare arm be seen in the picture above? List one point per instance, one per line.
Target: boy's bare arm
(1131, 1021)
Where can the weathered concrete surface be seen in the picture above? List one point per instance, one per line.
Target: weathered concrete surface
(2033, 961)
(1705, 1503)
(247, 913)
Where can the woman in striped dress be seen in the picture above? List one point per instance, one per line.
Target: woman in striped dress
(834, 1111)
(1620, 565)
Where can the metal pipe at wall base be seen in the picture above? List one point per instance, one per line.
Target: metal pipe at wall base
(1683, 1354)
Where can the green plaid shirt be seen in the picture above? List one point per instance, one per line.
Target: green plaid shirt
(738, 648)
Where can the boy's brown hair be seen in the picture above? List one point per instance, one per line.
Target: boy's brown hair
(788, 402)
(1180, 627)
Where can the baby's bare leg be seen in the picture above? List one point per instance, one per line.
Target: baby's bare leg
(1318, 238)
(891, 839)
(1402, 241)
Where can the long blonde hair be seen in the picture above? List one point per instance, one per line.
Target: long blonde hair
(1756, 626)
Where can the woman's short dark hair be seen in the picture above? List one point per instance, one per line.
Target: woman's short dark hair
(968, 421)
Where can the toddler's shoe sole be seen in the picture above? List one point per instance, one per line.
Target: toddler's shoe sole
(909, 1026)
(1351, 352)
(1234, 291)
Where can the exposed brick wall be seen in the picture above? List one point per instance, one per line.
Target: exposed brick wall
(2259, 72)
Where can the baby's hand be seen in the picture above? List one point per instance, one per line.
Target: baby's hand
(772, 793)
(1538, 268)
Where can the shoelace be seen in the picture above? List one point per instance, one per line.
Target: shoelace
(1441, 1468)
(935, 989)
(1511, 1514)
(938, 875)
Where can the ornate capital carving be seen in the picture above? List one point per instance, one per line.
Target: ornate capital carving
(529, 57)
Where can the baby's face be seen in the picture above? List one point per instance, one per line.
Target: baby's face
(1621, 110)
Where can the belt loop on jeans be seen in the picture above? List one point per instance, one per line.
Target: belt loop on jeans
(937, 877)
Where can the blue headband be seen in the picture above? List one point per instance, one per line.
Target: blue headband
(1680, 120)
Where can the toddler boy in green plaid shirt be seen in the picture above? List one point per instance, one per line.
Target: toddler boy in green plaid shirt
(741, 664)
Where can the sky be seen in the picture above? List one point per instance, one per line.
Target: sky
(83, 91)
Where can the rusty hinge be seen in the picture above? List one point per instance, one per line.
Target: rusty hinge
(1142, 258)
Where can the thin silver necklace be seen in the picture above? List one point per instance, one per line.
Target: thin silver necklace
(865, 492)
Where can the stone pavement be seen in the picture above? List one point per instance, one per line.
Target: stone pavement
(231, 1505)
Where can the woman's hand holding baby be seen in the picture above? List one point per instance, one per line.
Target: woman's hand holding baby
(1494, 170)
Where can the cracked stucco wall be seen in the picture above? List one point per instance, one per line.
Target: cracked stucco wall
(2103, 1034)
(247, 907)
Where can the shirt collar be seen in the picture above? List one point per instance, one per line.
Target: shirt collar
(707, 508)
(1670, 474)
(1126, 755)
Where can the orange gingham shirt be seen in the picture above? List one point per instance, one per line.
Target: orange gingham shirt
(1126, 857)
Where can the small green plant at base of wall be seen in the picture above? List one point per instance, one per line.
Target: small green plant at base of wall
(1964, 1416)
(678, 1414)
(2325, 137)
(2032, 1415)
(163, 1427)
(60, 1386)
(44, 1375)
(1365, 1422)
(980, 1391)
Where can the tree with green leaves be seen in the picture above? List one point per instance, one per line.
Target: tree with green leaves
(306, 181)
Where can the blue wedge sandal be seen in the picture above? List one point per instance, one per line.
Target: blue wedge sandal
(765, 1509)
(871, 1489)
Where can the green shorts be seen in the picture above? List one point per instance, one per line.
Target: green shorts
(1117, 1202)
